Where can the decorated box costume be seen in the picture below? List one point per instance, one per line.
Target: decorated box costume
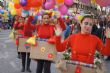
(44, 50)
(83, 47)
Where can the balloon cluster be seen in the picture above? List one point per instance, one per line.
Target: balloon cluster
(63, 7)
(3, 12)
(19, 7)
(16, 7)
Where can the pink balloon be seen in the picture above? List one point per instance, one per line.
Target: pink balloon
(68, 2)
(52, 1)
(39, 13)
(49, 5)
(63, 9)
(103, 3)
(86, 1)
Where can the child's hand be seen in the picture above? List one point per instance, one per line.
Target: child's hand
(58, 30)
(107, 33)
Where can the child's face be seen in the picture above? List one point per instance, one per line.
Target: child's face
(46, 19)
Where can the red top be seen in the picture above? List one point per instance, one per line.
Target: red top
(19, 27)
(83, 46)
(28, 30)
(24, 29)
(45, 31)
(15, 26)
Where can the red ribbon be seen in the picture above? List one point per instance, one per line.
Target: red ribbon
(78, 69)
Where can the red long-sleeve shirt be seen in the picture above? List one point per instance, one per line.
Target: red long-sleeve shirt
(83, 46)
(45, 31)
(15, 26)
(24, 29)
(28, 30)
(18, 27)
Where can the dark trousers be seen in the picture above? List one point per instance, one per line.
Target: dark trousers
(19, 53)
(43, 65)
(23, 57)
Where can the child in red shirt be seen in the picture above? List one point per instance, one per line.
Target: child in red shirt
(18, 28)
(83, 45)
(44, 31)
(28, 29)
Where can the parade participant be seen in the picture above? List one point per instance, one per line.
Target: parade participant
(15, 27)
(28, 29)
(18, 27)
(95, 26)
(16, 22)
(108, 25)
(84, 45)
(44, 31)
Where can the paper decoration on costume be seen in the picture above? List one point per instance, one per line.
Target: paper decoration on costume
(27, 46)
(32, 40)
(97, 61)
(50, 55)
(39, 39)
(43, 49)
(23, 46)
(78, 69)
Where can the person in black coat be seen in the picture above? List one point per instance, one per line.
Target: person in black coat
(108, 26)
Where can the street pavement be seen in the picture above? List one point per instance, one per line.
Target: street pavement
(9, 63)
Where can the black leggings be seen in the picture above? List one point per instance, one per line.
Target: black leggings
(23, 54)
(43, 64)
(19, 53)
